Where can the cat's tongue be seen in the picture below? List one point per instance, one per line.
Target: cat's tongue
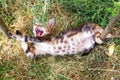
(38, 32)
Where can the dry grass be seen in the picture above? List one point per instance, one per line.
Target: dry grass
(14, 65)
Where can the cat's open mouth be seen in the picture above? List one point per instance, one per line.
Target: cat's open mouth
(38, 32)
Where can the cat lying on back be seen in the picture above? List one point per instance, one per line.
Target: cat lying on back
(71, 42)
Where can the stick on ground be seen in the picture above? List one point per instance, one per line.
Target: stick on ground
(4, 28)
(110, 26)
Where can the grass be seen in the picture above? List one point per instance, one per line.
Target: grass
(14, 65)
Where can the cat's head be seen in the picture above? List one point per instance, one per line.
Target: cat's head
(39, 30)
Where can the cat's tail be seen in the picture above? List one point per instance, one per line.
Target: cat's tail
(23, 38)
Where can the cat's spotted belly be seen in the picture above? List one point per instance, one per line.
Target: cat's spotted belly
(72, 47)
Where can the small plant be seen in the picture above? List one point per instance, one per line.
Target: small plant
(40, 11)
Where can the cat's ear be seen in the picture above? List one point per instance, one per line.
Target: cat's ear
(51, 23)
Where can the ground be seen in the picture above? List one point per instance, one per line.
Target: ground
(14, 65)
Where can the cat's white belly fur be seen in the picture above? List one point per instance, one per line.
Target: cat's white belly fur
(75, 44)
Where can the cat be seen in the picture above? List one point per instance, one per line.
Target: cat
(82, 40)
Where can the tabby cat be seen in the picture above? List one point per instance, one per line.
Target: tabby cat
(73, 41)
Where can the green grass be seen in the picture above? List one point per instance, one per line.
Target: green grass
(87, 11)
(21, 14)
